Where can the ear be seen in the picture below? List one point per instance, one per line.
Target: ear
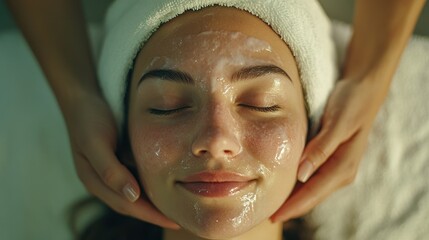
(309, 128)
(124, 153)
(126, 157)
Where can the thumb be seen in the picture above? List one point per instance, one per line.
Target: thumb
(318, 151)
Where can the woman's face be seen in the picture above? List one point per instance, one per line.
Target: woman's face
(217, 121)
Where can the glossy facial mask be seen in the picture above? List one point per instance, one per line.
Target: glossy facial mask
(216, 52)
(214, 195)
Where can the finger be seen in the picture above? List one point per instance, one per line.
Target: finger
(113, 174)
(338, 171)
(305, 197)
(317, 151)
(142, 209)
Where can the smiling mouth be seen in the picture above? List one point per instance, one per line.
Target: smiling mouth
(215, 184)
(214, 189)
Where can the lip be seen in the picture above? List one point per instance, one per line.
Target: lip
(215, 184)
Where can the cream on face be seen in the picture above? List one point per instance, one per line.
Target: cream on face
(217, 126)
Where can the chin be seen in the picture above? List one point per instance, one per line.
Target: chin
(215, 221)
(222, 217)
(221, 225)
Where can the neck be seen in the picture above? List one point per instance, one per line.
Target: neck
(265, 230)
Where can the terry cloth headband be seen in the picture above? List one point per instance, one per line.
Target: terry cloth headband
(302, 24)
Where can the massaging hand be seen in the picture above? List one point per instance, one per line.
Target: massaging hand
(331, 159)
(62, 48)
(339, 146)
(93, 137)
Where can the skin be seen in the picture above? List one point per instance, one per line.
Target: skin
(56, 32)
(381, 32)
(255, 126)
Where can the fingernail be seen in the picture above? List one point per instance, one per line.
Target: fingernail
(274, 220)
(175, 227)
(305, 170)
(130, 192)
(277, 219)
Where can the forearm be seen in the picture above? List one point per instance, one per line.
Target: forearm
(381, 31)
(56, 32)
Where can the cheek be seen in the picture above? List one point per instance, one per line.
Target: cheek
(276, 143)
(278, 147)
(155, 148)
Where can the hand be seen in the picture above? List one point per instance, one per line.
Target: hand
(93, 136)
(339, 146)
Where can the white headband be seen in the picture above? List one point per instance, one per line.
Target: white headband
(302, 24)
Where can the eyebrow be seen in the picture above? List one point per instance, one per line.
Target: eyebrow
(169, 75)
(242, 74)
(258, 71)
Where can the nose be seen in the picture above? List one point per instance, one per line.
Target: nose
(217, 136)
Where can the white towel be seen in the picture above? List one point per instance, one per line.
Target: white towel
(302, 24)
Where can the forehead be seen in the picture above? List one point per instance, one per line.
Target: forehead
(214, 32)
(213, 52)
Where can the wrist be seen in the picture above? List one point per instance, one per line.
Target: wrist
(72, 95)
(372, 60)
(381, 32)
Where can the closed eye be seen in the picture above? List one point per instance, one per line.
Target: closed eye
(165, 112)
(273, 108)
